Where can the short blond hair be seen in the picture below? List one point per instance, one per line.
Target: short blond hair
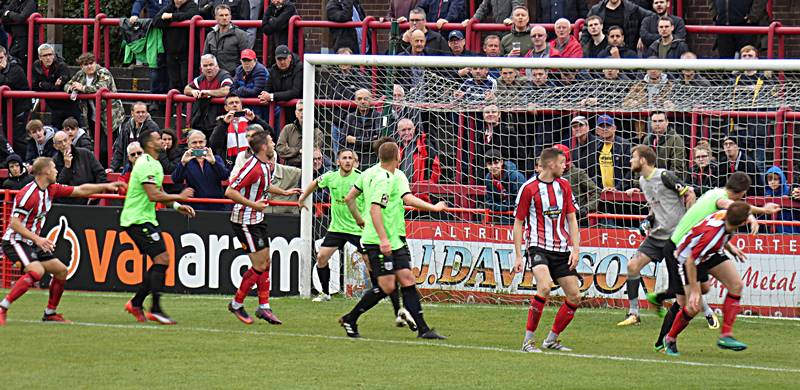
(40, 164)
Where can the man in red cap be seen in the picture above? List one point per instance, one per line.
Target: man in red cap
(584, 188)
(250, 79)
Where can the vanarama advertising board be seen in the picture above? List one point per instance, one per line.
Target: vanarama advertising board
(465, 262)
(205, 254)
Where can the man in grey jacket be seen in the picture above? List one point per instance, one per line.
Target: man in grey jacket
(500, 10)
(226, 41)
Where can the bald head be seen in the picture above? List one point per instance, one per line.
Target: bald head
(61, 141)
(539, 37)
(417, 42)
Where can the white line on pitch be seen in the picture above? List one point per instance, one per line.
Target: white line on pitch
(418, 343)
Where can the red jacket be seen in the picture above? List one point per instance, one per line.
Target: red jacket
(573, 49)
(425, 163)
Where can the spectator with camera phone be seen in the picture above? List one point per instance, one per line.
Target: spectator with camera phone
(202, 171)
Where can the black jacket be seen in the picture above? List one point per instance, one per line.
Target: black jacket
(676, 49)
(171, 158)
(218, 142)
(342, 11)
(176, 39)
(744, 163)
(47, 83)
(16, 20)
(240, 9)
(15, 78)
(633, 20)
(276, 25)
(620, 152)
(733, 13)
(16, 183)
(649, 29)
(286, 84)
(704, 179)
(85, 169)
(574, 10)
(127, 134)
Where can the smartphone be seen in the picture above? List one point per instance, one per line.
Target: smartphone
(199, 152)
(516, 46)
(239, 114)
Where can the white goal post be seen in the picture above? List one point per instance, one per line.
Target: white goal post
(719, 111)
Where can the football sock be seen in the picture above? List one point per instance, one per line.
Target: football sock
(564, 316)
(158, 273)
(249, 279)
(411, 301)
(669, 318)
(395, 298)
(5, 304)
(56, 290)
(21, 286)
(143, 291)
(370, 298)
(534, 314)
(729, 311)
(633, 293)
(680, 323)
(324, 278)
(663, 296)
(707, 310)
(263, 285)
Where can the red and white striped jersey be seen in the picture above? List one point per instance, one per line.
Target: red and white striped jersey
(705, 239)
(31, 206)
(544, 206)
(253, 182)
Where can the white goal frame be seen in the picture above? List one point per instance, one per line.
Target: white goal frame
(311, 61)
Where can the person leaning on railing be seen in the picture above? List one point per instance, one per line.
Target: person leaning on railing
(49, 74)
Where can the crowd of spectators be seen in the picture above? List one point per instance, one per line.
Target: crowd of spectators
(501, 142)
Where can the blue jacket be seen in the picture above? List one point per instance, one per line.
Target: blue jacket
(250, 85)
(501, 193)
(786, 214)
(206, 182)
(153, 7)
(453, 11)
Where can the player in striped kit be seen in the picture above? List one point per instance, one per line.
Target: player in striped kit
(23, 243)
(546, 205)
(668, 198)
(250, 190)
(699, 253)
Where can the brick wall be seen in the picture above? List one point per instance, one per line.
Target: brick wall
(695, 12)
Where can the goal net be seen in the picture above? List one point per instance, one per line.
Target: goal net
(470, 130)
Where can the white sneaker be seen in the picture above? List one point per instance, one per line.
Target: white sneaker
(555, 345)
(321, 298)
(530, 346)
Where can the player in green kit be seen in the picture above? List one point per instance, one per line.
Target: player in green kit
(138, 218)
(386, 190)
(343, 227)
(712, 201)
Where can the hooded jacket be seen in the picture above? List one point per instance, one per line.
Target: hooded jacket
(226, 46)
(523, 37)
(585, 190)
(17, 182)
(670, 151)
(290, 142)
(786, 214)
(44, 149)
(83, 140)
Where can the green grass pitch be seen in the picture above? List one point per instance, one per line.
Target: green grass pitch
(106, 349)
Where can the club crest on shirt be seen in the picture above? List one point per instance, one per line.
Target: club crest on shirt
(385, 199)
